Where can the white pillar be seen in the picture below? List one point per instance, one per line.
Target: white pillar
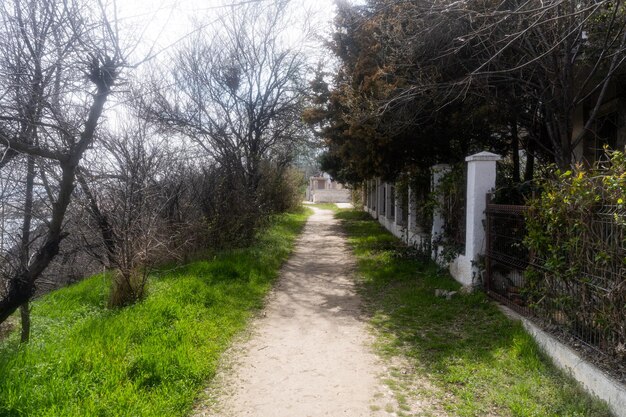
(399, 213)
(380, 202)
(381, 197)
(389, 209)
(481, 178)
(365, 192)
(411, 218)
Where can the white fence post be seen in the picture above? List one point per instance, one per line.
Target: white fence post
(412, 215)
(413, 229)
(399, 215)
(481, 178)
(373, 198)
(380, 206)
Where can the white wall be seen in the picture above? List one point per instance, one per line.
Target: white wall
(331, 196)
(481, 178)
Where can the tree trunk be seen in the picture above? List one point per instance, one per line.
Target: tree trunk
(25, 316)
(106, 231)
(25, 241)
(529, 171)
(21, 287)
(515, 149)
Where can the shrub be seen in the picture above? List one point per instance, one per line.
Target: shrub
(279, 189)
(235, 206)
(576, 234)
(127, 288)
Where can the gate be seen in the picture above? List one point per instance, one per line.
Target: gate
(506, 256)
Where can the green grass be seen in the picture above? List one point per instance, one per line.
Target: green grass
(150, 359)
(476, 361)
(328, 206)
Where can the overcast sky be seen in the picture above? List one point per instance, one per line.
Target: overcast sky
(160, 24)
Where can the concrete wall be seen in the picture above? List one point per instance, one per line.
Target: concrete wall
(330, 196)
(481, 178)
(322, 189)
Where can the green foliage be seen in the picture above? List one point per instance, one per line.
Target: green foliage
(419, 180)
(421, 83)
(234, 210)
(279, 189)
(151, 358)
(357, 195)
(461, 356)
(369, 128)
(576, 229)
(449, 199)
(509, 191)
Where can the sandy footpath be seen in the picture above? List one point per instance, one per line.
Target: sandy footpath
(308, 354)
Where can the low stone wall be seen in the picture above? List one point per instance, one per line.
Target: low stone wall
(331, 196)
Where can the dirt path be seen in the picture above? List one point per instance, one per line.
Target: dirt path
(308, 354)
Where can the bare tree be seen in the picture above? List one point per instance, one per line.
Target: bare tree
(130, 191)
(60, 60)
(543, 60)
(236, 92)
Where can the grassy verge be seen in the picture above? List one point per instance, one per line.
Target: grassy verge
(150, 359)
(327, 206)
(461, 356)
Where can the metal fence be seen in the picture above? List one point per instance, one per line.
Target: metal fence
(588, 302)
(506, 256)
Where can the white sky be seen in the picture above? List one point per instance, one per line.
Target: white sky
(161, 23)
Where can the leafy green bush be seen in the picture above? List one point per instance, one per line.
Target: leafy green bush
(577, 235)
